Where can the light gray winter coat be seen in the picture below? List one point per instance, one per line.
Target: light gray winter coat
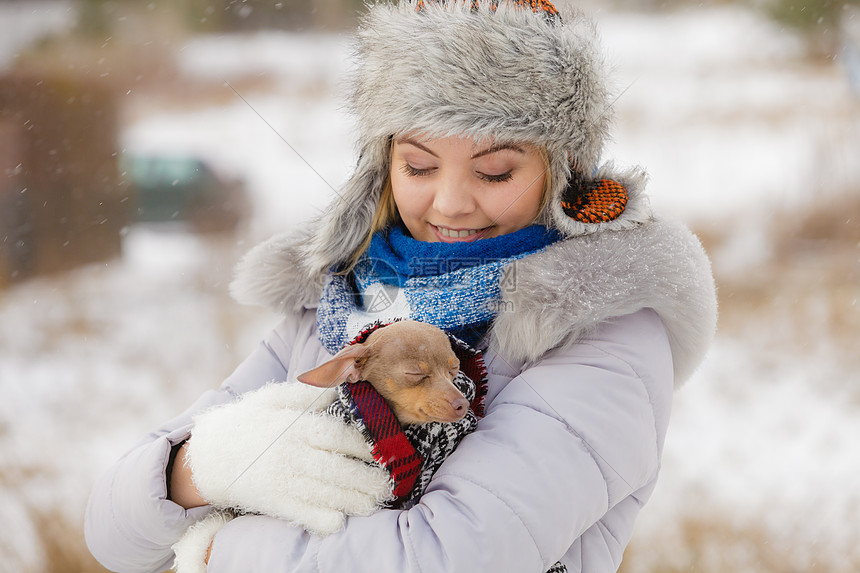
(582, 362)
(581, 378)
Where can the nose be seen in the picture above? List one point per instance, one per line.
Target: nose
(460, 407)
(453, 197)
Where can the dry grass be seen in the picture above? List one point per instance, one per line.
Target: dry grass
(62, 544)
(708, 541)
(809, 283)
(76, 315)
(59, 539)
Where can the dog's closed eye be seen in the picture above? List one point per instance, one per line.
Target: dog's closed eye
(416, 378)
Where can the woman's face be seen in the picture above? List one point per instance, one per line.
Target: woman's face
(452, 189)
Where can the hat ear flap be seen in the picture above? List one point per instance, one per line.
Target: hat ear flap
(349, 217)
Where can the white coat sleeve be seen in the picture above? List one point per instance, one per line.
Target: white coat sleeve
(130, 525)
(566, 448)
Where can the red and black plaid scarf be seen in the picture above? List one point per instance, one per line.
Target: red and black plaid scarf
(412, 454)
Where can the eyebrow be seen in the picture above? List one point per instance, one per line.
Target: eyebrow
(493, 149)
(418, 145)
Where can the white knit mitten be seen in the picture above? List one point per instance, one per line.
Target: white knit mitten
(276, 452)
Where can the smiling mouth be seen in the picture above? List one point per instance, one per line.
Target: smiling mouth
(459, 234)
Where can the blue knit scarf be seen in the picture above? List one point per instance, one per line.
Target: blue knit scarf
(455, 286)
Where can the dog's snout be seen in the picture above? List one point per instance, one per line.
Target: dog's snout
(459, 407)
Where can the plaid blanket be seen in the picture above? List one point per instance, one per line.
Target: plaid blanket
(413, 453)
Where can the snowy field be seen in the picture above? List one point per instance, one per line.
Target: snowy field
(730, 119)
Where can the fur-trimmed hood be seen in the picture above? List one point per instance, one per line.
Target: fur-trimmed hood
(560, 293)
(490, 69)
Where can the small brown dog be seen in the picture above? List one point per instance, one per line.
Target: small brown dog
(411, 365)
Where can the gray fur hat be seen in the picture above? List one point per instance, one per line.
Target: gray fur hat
(485, 69)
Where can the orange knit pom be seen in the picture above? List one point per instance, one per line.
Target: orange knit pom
(600, 202)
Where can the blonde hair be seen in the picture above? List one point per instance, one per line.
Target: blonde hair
(547, 183)
(387, 214)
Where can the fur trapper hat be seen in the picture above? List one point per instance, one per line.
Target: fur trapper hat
(495, 70)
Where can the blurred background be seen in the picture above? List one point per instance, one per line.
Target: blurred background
(146, 145)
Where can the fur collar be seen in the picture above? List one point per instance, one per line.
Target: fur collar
(570, 287)
(560, 294)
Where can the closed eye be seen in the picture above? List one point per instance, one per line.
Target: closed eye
(415, 172)
(500, 178)
(417, 377)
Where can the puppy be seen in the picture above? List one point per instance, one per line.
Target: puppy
(411, 365)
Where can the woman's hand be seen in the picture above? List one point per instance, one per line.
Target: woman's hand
(182, 490)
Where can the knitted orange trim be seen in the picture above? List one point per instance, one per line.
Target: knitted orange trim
(601, 201)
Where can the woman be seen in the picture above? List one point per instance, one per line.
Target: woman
(478, 204)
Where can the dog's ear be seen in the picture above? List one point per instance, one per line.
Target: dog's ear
(345, 366)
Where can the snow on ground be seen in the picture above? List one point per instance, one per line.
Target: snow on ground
(92, 360)
(718, 104)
